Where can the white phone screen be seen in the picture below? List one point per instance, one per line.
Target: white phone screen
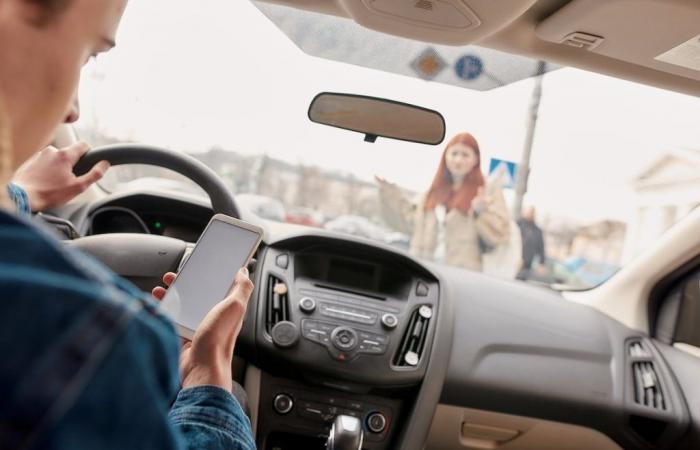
(208, 274)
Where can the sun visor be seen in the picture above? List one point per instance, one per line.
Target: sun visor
(344, 40)
(447, 22)
(659, 34)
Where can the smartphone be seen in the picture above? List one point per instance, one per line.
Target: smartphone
(207, 276)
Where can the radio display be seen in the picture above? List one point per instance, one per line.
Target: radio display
(353, 274)
(366, 278)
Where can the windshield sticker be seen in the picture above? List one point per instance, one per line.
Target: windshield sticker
(428, 64)
(469, 67)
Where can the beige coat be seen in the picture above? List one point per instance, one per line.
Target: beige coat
(462, 230)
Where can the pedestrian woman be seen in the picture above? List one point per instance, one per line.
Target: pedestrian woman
(460, 218)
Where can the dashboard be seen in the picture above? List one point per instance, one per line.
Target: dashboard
(355, 324)
(342, 325)
(148, 214)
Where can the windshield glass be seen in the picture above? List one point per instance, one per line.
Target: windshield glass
(613, 164)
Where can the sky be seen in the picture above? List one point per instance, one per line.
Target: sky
(193, 75)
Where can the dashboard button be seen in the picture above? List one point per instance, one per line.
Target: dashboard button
(422, 289)
(389, 320)
(307, 304)
(374, 348)
(282, 261)
(376, 422)
(355, 405)
(283, 403)
(312, 411)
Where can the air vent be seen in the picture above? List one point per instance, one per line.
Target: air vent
(276, 302)
(413, 341)
(424, 4)
(637, 350)
(647, 388)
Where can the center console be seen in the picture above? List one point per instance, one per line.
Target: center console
(339, 331)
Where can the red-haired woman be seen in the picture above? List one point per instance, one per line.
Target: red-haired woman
(460, 218)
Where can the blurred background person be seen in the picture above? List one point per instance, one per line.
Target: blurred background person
(460, 219)
(533, 244)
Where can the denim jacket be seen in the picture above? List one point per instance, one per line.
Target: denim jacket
(88, 362)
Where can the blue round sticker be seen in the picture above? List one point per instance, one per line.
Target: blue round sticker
(469, 67)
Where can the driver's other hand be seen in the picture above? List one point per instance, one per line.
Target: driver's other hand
(48, 176)
(207, 359)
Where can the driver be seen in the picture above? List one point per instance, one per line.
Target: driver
(88, 361)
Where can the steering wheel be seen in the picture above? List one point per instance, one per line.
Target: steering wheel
(144, 258)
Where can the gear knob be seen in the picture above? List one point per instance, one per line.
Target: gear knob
(346, 434)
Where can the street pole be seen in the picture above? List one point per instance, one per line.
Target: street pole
(524, 167)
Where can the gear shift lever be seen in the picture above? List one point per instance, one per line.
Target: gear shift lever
(346, 434)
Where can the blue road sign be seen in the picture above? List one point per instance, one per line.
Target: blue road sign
(505, 171)
(469, 67)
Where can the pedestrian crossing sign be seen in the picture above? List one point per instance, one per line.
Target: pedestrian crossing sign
(503, 171)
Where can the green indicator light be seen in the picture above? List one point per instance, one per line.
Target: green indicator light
(157, 225)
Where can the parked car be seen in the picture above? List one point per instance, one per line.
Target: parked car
(305, 216)
(262, 206)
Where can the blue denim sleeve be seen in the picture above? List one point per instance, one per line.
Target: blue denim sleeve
(20, 198)
(59, 390)
(210, 417)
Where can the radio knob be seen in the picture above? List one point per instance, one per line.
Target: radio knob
(344, 338)
(307, 304)
(389, 320)
(376, 422)
(285, 334)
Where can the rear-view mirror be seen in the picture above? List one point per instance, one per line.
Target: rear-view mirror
(375, 117)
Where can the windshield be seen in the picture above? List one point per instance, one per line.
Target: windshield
(613, 164)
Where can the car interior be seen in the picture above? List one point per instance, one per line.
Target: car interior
(427, 356)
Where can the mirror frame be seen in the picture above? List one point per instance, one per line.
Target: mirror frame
(371, 137)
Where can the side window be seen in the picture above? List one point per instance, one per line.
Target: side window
(679, 314)
(688, 324)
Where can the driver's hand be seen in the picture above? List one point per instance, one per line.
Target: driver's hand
(48, 176)
(207, 359)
